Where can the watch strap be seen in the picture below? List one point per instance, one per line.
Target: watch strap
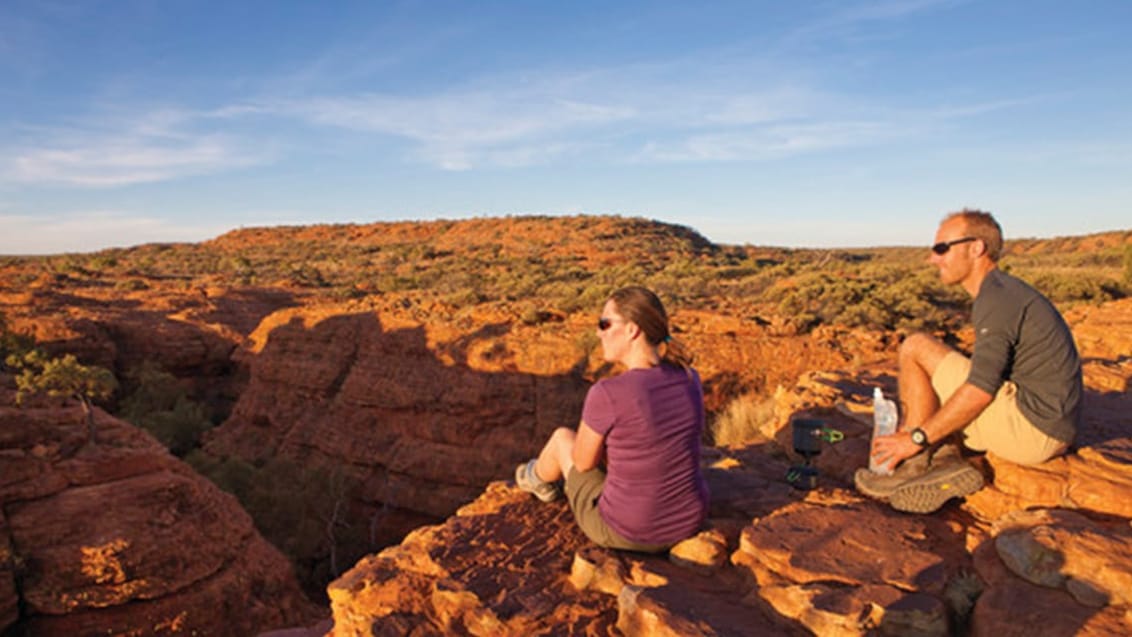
(920, 437)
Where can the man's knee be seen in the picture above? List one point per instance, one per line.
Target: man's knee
(922, 350)
(916, 343)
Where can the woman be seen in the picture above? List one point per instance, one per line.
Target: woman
(647, 423)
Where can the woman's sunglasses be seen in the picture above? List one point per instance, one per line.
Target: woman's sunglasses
(604, 323)
(942, 247)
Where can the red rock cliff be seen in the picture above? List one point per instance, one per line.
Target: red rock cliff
(425, 404)
(1040, 551)
(122, 538)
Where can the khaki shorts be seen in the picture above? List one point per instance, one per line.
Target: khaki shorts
(1000, 428)
(583, 489)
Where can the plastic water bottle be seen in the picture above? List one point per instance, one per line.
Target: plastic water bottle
(884, 423)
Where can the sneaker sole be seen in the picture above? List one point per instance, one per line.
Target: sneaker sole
(863, 486)
(881, 486)
(929, 495)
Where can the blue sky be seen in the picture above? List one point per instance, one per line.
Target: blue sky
(824, 123)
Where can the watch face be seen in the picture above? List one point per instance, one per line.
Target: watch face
(919, 437)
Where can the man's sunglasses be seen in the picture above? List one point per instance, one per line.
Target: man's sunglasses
(604, 323)
(942, 247)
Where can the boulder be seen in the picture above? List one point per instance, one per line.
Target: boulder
(122, 537)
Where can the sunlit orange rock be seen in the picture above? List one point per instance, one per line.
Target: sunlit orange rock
(423, 399)
(122, 538)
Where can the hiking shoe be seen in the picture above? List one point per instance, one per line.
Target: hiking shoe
(881, 486)
(527, 480)
(927, 493)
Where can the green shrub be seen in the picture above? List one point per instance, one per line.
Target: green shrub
(230, 474)
(64, 377)
(305, 513)
(309, 276)
(179, 428)
(160, 405)
(876, 297)
(102, 262)
(1070, 286)
(131, 285)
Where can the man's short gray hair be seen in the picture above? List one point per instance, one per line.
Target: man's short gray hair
(982, 226)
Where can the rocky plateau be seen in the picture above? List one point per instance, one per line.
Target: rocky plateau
(424, 404)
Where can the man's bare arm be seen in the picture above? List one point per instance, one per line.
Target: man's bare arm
(964, 406)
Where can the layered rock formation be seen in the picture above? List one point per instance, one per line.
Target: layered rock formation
(421, 396)
(405, 402)
(191, 333)
(1044, 550)
(122, 538)
(423, 405)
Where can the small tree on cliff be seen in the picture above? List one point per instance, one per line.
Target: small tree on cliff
(64, 377)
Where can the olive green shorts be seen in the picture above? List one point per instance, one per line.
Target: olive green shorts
(583, 489)
(1001, 428)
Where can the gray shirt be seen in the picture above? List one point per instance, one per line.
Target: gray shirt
(1021, 337)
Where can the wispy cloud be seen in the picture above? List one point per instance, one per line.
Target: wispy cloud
(770, 142)
(846, 20)
(618, 115)
(624, 115)
(481, 118)
(157, 146)
(114, 162)
(92, 230)
(461, 129)
(889, 9)
(511, 122)
(732, 103)
(727, 104)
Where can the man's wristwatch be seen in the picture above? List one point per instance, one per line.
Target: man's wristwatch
(919, 437)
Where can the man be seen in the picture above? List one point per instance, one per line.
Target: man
(1018, 396)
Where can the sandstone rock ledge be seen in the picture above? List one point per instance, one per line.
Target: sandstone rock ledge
(124, 539)
(1040, 551)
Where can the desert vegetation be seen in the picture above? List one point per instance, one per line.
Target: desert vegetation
(523, 263)
(526, 267)
(158, 403)
(37, 373)
(302, 511)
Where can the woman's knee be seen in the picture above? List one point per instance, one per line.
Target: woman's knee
(563, 436)
(559, 450)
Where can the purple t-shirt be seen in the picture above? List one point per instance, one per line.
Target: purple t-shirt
(652, 420)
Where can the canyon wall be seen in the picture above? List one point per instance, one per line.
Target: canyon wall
(1041, 550)
(122, 538)
(426, 404)
(415, 399)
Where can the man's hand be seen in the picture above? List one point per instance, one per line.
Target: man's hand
(892, 450)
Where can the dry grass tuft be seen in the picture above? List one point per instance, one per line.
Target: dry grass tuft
(742, 421)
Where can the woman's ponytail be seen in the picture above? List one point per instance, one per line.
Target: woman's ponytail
(643, 307)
